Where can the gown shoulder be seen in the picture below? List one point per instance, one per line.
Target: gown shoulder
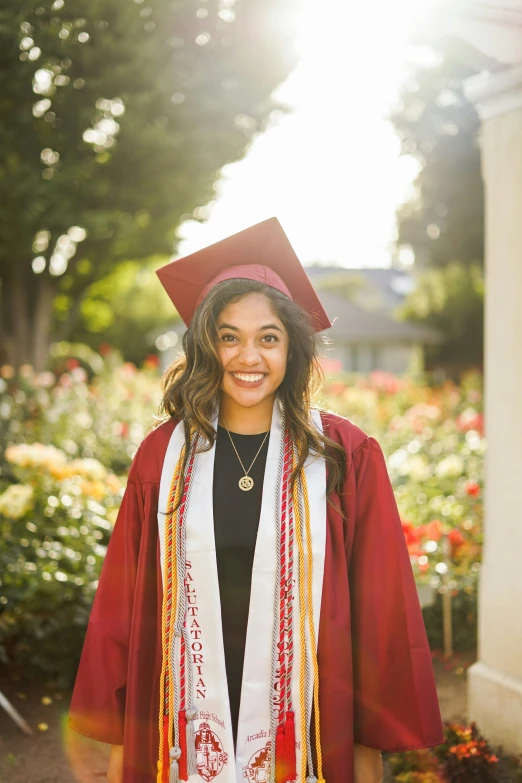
(343, 431)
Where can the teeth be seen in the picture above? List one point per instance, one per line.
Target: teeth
(249, 378)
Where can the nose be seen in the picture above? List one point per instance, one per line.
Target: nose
(249, 355)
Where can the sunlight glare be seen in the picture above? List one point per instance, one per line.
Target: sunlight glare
(330, 169)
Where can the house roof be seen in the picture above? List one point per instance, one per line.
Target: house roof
(368, 317)
(352, 323)
(383, 289)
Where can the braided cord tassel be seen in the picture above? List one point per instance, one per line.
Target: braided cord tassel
(187, 711)
(275, 628)
(290, 744)
(302, 626)
(308, 529)
(164, 715)
(179, 751)
(282, 770)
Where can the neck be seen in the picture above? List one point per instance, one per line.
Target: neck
(246, 421)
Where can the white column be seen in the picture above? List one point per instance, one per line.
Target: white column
(495, 680)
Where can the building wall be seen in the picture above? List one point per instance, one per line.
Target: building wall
(495, 681)
(363, 358)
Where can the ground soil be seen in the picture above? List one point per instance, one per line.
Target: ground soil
(53, 754)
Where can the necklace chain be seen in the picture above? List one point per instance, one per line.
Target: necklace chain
(245, 482)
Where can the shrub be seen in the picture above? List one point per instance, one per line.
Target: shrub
(55, 522)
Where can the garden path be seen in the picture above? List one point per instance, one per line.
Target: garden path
(55, 755)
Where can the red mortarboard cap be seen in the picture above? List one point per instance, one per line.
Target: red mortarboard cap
(261, 252)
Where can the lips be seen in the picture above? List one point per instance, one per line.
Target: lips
(250, 380)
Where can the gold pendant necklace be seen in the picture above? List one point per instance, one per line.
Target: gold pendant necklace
(246, 482)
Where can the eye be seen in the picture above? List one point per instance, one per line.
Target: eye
(271, 337)
(224, 338)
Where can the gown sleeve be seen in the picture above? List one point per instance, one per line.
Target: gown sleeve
(395, 700)
(98, 700)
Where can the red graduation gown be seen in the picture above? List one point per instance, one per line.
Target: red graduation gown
(376, 676)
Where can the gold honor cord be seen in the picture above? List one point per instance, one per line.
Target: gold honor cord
(304, 606)
(170, 558)
(302, 630)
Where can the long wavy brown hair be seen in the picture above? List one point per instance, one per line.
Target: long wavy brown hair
(191, 385)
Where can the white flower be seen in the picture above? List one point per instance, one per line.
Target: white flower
(450, 467)
(16, 501)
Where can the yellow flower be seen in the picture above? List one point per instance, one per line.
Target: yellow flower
(16, 501)
(113, 483)
(93, 489)
(31, 455)
(89, 468)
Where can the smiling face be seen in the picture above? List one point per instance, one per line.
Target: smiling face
(252, 346)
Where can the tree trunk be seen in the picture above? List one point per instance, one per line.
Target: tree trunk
(20, 317)
(25, 319)
(42, 322)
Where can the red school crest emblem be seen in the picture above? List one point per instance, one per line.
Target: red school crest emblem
(210, 756)
(258, 768)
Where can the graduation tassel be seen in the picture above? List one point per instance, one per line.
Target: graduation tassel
(182, 729)
(175, 754)
(191, 742)
(280, 760)
(290, 758)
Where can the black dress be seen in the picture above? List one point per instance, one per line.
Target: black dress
(236, 520)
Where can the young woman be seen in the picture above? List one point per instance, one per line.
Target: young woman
(256, 617)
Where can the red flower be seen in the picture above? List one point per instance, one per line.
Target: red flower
(472, 488)
(412, 534)
(471, 420)
(72, 363)
(336, 388)
(384, 381)
(151, 361)
(432, 530)
(456, 538)
(331, 366)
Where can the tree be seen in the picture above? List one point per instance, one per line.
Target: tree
(126, 309)
(451, 301)
(115, 119)
(443, 221)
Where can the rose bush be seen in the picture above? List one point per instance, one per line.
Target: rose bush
(67, 439)
(433, 439)
(64, 442)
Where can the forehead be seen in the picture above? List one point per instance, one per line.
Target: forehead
(251, 308)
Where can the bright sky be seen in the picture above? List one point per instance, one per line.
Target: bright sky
(330, 170)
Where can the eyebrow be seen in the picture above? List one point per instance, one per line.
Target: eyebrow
(235, 329)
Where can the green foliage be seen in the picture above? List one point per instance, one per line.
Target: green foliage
(55, 523)
(463, 757)
(125, 309)
(450, 300)
(437, 125)
(464, 614)
(115, 120)
(434, 443)
(443, 221)
(55, 503)
(414, 767)
(59, 497)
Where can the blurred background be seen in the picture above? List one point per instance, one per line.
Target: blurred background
(387, 139)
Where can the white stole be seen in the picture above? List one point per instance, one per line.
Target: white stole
(214, 740)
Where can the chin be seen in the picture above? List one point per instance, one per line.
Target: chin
(246, 398)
